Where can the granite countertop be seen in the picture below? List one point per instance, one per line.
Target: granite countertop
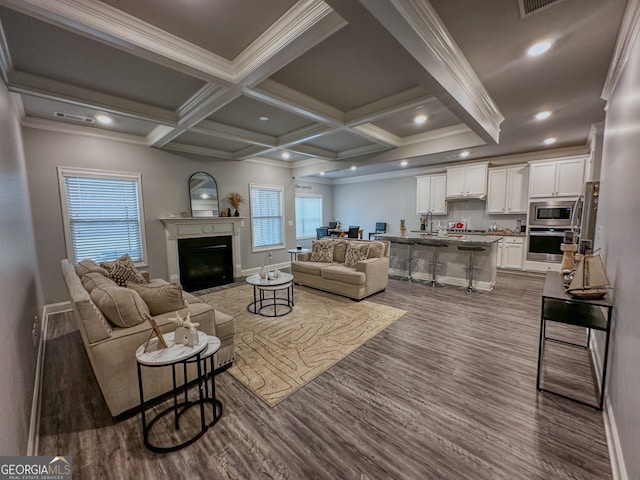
(451, 238)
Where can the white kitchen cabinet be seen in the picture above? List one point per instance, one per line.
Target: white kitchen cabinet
(507, 189)
(431, 194)
(560, 178)
(467, 182)
(511, 252)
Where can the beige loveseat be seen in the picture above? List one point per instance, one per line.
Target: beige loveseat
(332, 274)
(111, 349)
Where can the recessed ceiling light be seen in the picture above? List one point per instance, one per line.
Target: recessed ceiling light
(420, 119)
(285, 155)
(353, 167)
(465, 154)
(264, 118)
(550, 140)
(539, 48)
(543, 115)
(204, 196)
(104, 120)
(321, 173)
(404, 163)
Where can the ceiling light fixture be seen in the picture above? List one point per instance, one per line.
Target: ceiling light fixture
(353, 167)
(550, 140)
(539, 48)
(543, 115)
(465, 154)
(321, 173)
(104, 120)
(285, 155)
(264, 118)
(404, 163)
(420, 119)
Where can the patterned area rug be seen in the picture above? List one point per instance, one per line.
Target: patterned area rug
(277, 356)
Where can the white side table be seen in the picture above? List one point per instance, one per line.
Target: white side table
(294, 252)
(262, 304)
(174, 356)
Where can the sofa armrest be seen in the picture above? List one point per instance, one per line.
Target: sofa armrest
(374, 266)
(304, 257)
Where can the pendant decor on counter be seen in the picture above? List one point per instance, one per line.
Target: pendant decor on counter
(403, 228)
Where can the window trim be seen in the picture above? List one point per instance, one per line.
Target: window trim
(103, 174)
(310, 195)
(279, 246)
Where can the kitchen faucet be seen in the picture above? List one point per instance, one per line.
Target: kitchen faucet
(430, 214)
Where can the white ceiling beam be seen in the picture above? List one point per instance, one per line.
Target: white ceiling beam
(310, 151)
(198, 150)
(417, 27)
(412, 98)
(34, 85)
(379, 134)
(303, 134)
(250, 152)
(6, 65)
(281, 96)
(356, 152)
(221, 130)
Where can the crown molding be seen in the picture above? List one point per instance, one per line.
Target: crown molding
(416, 25)
(444, 132)
(627, 36)
(18, 106)
(42, 87)
(59, 127)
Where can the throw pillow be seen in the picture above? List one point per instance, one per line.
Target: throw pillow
(122, 306)
(355, 253)
(160, 298)
(122, 271)
(89, 266)
(322, 251)
(96, 280)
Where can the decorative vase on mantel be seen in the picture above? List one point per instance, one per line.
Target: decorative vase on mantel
(236, 213)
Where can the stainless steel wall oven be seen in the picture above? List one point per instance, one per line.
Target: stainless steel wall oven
(548, 222)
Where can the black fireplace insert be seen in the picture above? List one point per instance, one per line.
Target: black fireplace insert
(205, 262)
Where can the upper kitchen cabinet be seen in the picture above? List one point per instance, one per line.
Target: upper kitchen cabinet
(469, 181)
(507, 190)
(431, 194)
(560, 178)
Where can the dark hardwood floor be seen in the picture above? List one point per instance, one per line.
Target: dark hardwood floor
(447, 392)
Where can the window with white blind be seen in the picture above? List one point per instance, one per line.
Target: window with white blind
(102, 214)
(308, 214)
(267, 217)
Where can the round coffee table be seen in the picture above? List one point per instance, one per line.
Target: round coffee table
(263, 303)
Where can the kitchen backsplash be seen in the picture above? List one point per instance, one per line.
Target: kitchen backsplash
(474, 212)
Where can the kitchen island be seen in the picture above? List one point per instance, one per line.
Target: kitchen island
(415, 250)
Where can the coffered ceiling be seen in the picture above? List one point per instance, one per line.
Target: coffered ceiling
(330, 84)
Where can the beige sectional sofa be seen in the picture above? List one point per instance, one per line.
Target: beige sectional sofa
(333, 272)
(111, 348)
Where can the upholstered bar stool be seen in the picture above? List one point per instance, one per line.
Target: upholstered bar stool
(471, 249)
(434, 262)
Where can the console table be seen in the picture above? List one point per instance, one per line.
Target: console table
(560, 307)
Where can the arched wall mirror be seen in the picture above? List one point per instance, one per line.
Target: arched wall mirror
(203, 192)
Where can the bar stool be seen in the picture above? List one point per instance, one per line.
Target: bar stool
(434, 262)
(471, 249)
(410, 259)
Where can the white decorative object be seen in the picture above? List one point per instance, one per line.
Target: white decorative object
(186, 333)
(263, 272)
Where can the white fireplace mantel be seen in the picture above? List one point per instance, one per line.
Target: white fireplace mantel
(200, 227)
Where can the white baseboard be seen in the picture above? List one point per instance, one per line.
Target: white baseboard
(279, 266)
(34, 423)
(618, 468)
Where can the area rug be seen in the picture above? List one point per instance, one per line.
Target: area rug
(274, 357)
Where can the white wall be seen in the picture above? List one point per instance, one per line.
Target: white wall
(19, 286)
(620, 239)
(165, 191)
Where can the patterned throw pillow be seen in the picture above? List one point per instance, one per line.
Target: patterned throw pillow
(322, 251)
(122, 271)
(355, 253)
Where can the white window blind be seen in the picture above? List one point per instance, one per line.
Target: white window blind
(103, 218)
(266, 216)
(308, 215)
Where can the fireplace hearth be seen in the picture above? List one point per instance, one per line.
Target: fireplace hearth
(205, 262)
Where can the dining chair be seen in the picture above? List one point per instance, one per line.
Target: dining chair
(353, 232)
(322, 232)
(333, 225)
(381, 227)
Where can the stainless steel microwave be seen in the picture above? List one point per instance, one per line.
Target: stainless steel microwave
(554, 213)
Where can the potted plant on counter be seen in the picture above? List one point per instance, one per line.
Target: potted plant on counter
(403, 228)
